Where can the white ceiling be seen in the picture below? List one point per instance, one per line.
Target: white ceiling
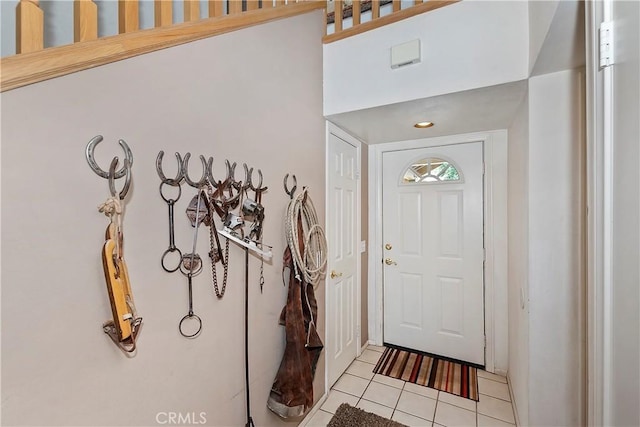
(462, 112)
(474, 110)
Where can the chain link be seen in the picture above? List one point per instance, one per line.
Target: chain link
(261, 273)
(214, 259)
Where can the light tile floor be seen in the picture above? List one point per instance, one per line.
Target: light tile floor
(414, 405)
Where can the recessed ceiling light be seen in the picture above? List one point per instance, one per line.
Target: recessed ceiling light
(422, 125)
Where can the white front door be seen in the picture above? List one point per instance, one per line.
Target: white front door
(342, 308)
(434, 251)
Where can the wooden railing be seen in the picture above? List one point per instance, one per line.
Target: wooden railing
(34, 63)
(342, 12)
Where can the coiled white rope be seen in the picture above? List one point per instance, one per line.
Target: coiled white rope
(312, 263)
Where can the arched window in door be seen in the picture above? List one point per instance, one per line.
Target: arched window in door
(431, 169)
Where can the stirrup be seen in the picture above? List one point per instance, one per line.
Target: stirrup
(128, 346)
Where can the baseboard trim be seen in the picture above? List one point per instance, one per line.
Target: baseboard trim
(501, 372)
(313, 410)
(513, 401)
(317, 406)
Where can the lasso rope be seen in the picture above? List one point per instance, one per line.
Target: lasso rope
(311, 264)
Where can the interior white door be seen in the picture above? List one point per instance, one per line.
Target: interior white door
(342, 341)
(434, 250)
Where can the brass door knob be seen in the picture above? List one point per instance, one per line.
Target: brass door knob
(334, 274)
(389, 261)
(388, 247)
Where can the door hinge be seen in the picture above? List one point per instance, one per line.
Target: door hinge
(606, 44)
(485, 342)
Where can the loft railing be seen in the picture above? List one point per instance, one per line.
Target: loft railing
(346, 18)
(35, 61)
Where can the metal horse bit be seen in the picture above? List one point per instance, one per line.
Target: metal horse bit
(174, 182)
(191, 265)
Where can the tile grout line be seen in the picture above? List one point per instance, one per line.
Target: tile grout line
(495, 397)
(497, 419)
(435, 410)
(491, 379)
(437, 399)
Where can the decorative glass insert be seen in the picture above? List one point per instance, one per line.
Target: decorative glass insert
(431, 169)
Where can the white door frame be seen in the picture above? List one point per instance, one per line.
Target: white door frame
(335, 130)
(597, 250)
(495, 237)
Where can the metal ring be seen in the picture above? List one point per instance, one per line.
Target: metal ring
(112, 179)
(89, 154)
(184, 270)
(173, 185)
(171, 181)
(190, 316)
(168, 251)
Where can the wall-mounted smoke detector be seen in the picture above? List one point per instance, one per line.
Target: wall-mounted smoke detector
(405, 54)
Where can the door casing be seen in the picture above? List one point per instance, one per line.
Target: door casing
(335, 130)
(413, 215)
(495, 232)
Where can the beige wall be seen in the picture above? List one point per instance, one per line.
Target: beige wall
(252, 96)
(546, 284)
(625, 218)
(555, 260)
(518, 275)
(364, 230)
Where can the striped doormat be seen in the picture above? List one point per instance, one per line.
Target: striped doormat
(451, 377)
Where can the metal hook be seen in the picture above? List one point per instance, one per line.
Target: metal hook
(112, 180)
(170, 181)
(210, 177)
(89, 154)
(206, 165)
(247, 176)
(250, 181)
(293, 189)
(231, 172)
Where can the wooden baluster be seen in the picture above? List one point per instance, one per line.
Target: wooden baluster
(396, 5)
(215, 8)
(235, 7)
(85, 20)
(29, 27)
(128, 16)
(253, 4)
(163, 12)
(191, 10)
(267, 4)
(375, 9)
(326, 20)
(337, 15)
(355, 12)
